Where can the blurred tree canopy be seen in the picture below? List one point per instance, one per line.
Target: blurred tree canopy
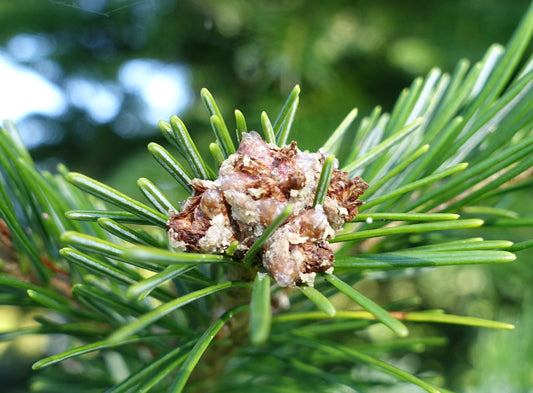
(111, 62)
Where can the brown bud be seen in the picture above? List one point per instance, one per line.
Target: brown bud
(254, 185)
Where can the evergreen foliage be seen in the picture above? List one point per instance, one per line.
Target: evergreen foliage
(148, 318)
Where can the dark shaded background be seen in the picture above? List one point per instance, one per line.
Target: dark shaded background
(107, 61)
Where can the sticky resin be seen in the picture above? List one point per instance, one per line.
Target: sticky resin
(254, 185)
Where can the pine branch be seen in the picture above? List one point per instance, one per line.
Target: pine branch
(450, 140)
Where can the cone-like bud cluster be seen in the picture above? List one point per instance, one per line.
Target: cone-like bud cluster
(253, 187)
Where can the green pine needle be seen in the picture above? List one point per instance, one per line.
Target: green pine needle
(324, 181)
(199, 348)
(395, 325)
(155, 196)
(268, 131)
(217, 153)
(412, 228)
(334, 142)
(117, 198)
(217, 123)
(241, 124)
(283, 123)
(422, 259)
(164, 309)
(260, 309)
(143, 288)
(171, 165)
(256, 247)
(94, 215)
(372, 154)
(319, 300)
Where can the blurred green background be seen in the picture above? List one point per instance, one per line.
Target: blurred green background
(87, 81)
